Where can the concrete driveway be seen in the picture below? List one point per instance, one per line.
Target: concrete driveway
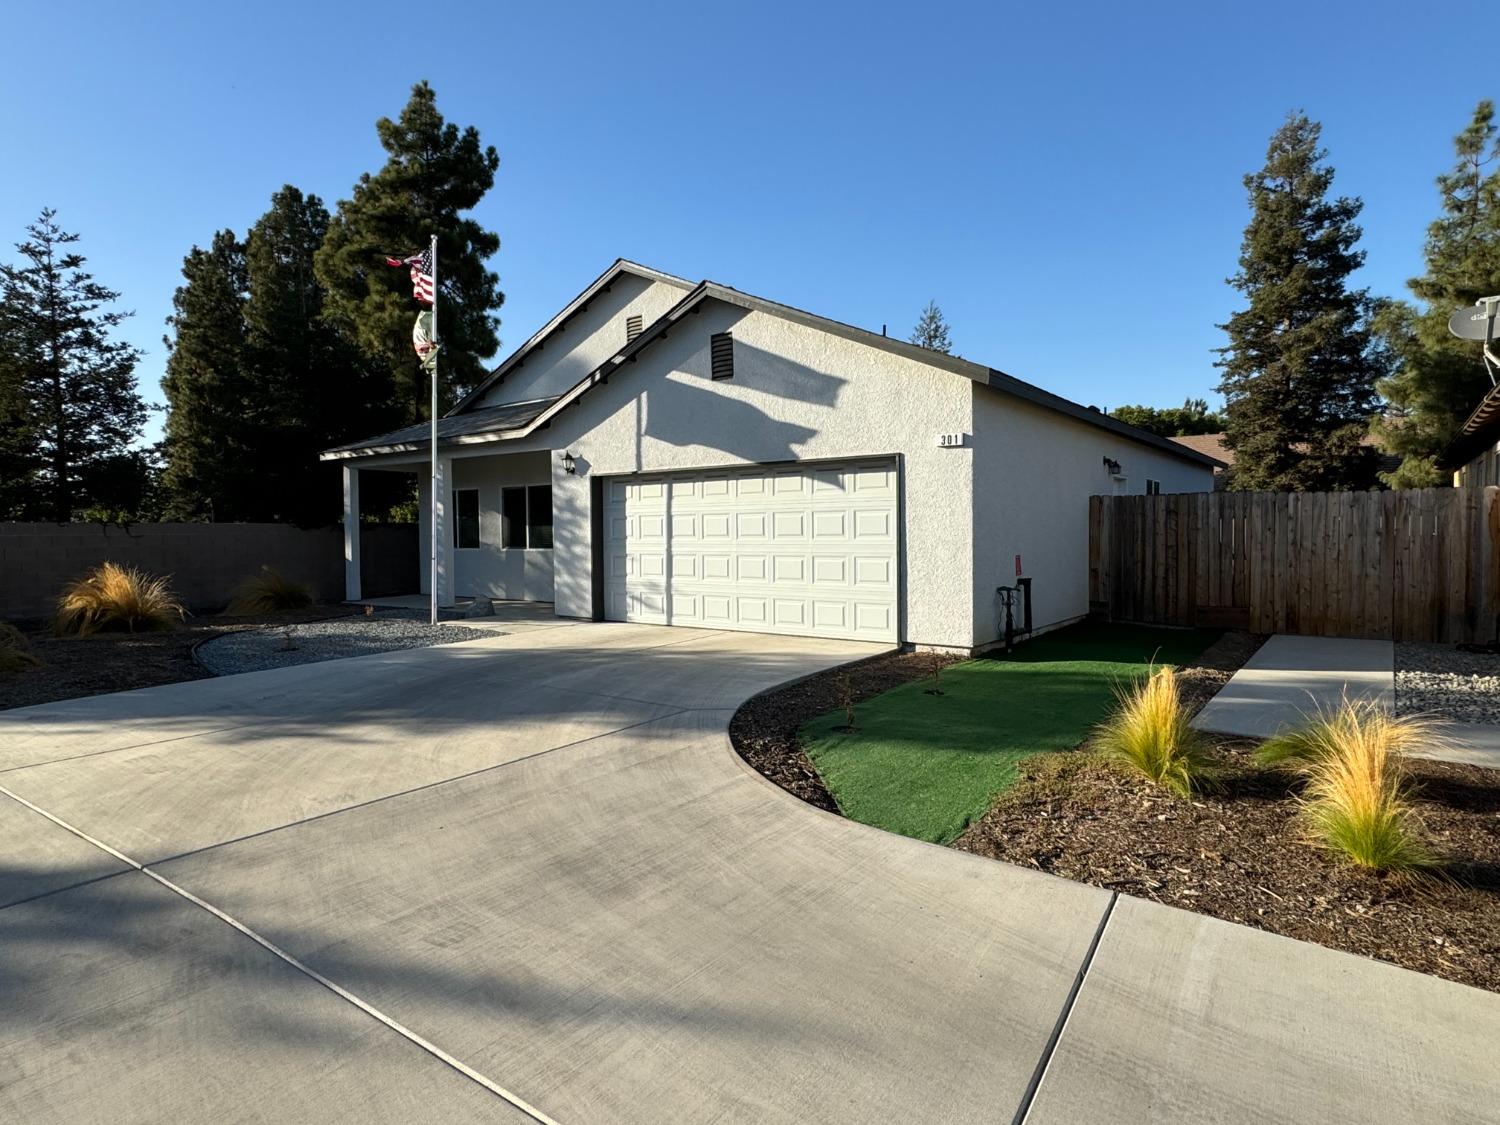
(525, 878)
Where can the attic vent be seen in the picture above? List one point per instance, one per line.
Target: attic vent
(633, 327)
(721, 352)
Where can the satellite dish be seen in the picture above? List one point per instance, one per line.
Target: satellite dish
(1477, 322)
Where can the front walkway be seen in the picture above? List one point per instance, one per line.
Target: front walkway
(525, 879)
(1292, 678)
(506, 616)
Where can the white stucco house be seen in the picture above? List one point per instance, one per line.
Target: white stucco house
(686, 454)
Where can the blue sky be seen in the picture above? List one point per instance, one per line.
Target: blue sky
(1063, 179)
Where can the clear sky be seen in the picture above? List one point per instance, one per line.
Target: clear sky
(1064, 179)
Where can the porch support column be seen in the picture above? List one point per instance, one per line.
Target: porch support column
(351, 533)
(443, 483)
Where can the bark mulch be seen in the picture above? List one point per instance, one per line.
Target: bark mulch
(764, 730)
(72, 667)
(1241, 855)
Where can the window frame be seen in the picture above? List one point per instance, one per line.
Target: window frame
(523, 539)
(531, 523)
(1153, 487)
(458, 521)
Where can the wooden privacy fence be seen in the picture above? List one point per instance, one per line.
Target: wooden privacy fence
(1417, 565)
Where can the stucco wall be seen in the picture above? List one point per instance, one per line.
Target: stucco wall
(1034, 471)
(491, 570)
(585, 341)
(797, 394)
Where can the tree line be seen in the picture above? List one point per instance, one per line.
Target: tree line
(296, 336)
(282, 342)
(1315, 367)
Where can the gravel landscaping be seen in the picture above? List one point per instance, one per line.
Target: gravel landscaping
(315, 641)
(1443, 680)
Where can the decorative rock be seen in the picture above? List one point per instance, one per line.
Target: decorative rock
(1441, 681)
(254, 650)
(480, 607)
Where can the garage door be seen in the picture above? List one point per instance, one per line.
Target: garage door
(807, 550)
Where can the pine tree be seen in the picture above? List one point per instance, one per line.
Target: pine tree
(931, 331)
(18, 460)
(307, 387)
(434, 173)
(72, 388)
(1439, 379)
(210, 431)
(1301, 364)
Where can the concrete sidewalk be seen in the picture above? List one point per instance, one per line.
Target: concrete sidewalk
(1291, 678)
(526, 878)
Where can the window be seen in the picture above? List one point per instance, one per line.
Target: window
(513, 518)
(1153, 487)
(526, 518)
(466, 517)
(721, 355)
(632, 327)
(539, 516)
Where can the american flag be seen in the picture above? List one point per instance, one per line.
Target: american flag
(421, 274)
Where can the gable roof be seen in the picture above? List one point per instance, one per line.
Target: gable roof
(578, 304)
(693, 301)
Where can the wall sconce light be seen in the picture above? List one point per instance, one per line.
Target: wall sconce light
(1113, 466)
(570, 466)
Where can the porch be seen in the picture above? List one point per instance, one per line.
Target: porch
(494, 533)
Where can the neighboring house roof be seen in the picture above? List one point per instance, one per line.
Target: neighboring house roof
(1210, 445)
(996, 380)
(1480, 429)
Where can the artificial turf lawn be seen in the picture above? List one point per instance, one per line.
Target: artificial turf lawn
(926, 765)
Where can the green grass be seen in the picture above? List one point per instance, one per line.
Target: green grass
(926, 765)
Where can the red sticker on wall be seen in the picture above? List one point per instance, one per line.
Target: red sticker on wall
(1018, 566)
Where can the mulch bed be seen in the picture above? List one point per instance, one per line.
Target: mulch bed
(73, 667)
(764, 730)
(1241, 855)
(1238, 854)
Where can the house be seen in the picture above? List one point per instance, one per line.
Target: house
(678, 453)
(1212, 445)
(1473, 456)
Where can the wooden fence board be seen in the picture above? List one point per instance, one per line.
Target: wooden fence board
(1418, 565)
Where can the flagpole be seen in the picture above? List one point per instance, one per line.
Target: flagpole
(432, 519)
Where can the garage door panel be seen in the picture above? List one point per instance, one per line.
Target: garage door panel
(807, 551)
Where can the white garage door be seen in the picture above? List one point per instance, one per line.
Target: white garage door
(807, 550)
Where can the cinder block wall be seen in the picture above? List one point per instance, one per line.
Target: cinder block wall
(205, 560)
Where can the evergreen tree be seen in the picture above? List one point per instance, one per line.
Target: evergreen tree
(1192, 417)
(931, 331)
(434, 173)
(18, 460)
(1301, 364)
(69, 385)
(1438, 378)
(211, 428)
(308, 388)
